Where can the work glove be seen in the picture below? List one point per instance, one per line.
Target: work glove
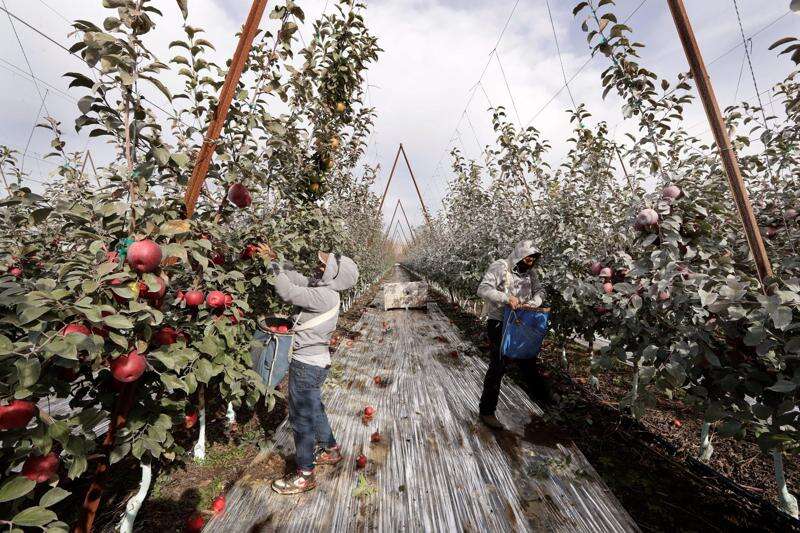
(274, 268)
(536, 301)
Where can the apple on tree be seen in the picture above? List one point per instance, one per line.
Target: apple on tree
(128, 368)
(41, 468)
(144, 256)
(239, 196)
(194, 298)
(16, 414)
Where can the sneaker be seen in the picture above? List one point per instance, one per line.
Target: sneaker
(328, 456)
(294, 483)
(492, 422)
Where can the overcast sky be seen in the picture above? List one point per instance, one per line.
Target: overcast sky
(434, 54)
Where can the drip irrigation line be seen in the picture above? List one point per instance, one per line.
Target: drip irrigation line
(508, 87)
(558, 49)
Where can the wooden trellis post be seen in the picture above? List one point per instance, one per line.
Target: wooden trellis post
(225, 97)
(402, 150)
(729, 161)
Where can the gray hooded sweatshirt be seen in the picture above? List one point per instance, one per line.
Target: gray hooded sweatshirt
(313, 297)
(501, 281)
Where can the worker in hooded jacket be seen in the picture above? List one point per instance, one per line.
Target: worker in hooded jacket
(317, 303)
(509, 282)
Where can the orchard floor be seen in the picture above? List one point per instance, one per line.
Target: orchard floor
(435, 468)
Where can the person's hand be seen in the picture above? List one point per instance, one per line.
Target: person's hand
(513, 302)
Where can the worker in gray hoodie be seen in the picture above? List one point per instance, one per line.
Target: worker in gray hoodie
(317, 302)
(509, 282)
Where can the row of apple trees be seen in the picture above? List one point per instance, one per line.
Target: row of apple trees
(111, 301)
(665, 277)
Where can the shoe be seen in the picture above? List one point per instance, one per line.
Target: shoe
(294, 483)
(328, 456)
(492, 422)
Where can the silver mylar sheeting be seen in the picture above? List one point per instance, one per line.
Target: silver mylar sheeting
(436, 468)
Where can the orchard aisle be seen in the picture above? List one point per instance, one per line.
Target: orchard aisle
(435, 468)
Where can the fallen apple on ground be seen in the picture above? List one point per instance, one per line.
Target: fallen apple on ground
(369, 411)
(195, 523)
(361, 461)
(375, 437)
(218, 505)
(190, 419)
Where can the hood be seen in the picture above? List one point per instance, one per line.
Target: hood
(522, 250)
(341, 273)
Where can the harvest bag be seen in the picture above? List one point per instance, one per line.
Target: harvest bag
(271, 361)
(523, 332)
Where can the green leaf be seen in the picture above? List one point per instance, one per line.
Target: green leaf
(783, 385)
(53, 496)
(28, 371)
(117, 322)
(781, 317)
(34, 516)
(16, 487)
(6, 346)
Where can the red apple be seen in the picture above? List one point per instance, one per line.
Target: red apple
(605, 272)
(179, 296)
(190, 420)
(377, 380)
(671, 192)
(369, 411)
(677, 423)
(16, 272)
(646, 217)
(249, 251)
(41, 468)
(194, 298)
(112, 257)
(772, 232)
(239, 196)
(215, 299)
(218, 504)
(596, 267)
(228, 300)
(608, 287)
(16, 414)
(153, 295)
(80, 329)
(663, 296)
(454, 354)
(375, 437)
(165, 336)
(361, 461)
(128, 368)
(195, 523)
(600, 310)
(217, 258)
(144, 256)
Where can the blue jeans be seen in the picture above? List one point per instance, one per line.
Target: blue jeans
(307, 413)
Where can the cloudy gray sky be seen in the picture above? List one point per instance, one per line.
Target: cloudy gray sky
(434, 54)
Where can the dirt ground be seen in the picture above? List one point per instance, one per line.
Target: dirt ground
(649, 464)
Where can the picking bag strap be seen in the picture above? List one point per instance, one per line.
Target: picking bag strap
(317, 320)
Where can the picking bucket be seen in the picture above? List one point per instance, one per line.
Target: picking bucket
(524, 329)
(271, 359)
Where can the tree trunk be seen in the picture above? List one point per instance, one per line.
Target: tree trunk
(135, 503)
(788, 502)
(706, 448)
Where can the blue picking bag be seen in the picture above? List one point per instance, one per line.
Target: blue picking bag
(271, 361)
(523, 332)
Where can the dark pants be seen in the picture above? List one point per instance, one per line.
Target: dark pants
(306, 412)
(497, 368)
